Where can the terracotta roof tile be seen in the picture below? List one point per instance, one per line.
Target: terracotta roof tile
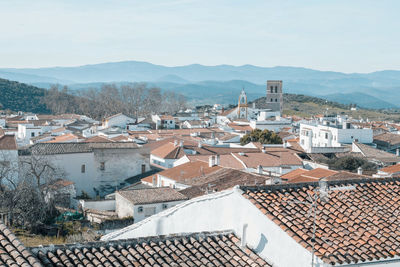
(358, 223)
(185, 173)
(391, 169)
(13, 252)
(7, 142)
(198, 249)
(152, 195)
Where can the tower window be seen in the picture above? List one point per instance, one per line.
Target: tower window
(276, 89)
(276, 99)
(83, 168)
(272, 89)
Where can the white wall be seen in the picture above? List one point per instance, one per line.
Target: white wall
(327, 136)
(125, 208)
(166, 163)
(108, 204)
(158, 207)
(120, 164)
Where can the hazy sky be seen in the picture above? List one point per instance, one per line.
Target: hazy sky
(347, 36)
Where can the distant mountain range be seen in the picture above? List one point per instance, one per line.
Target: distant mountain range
(222, 84)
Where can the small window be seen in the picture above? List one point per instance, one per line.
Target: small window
(143, 168)
(32, 134)
(83, 168)
(276, 99)
(102, 166)
(326, 135)
(276, 89)
(140, 209)
(164, 206)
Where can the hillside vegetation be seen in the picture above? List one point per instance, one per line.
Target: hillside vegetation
(21, 97)
(307, 106)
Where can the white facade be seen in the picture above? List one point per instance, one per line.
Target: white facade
(326, 136)
(271, 125)
(26, 132)
(100, 171)
(165, 163)
(119, 120)
(164, 122)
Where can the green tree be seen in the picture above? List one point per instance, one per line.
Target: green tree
(264, 137)
(350, 163)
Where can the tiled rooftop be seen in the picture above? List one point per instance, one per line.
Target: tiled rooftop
(12, 251)
(152, 195)
(200, 249)
(7, 142)
(359, 223)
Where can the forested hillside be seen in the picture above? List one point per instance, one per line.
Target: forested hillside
(21, 97)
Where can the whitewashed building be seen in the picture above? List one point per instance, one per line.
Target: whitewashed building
(142, 203)
(96, 168)
(331, 136)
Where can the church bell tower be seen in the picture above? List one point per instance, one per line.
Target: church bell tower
(242, 106)
(275, 96)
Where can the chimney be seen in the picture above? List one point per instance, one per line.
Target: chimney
(263, 151)
(259, 169)
(397, 152)
(210, 161)
(359, 171)
(175, 142)
(284, 144)
(181, 143)
(217, 160)
(199, 145)
(244, 236)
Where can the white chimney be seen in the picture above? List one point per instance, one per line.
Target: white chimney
(217, 160)
(284, 144)
(397, 152)
(175, 142)
(181, 143)
(263, 151)
(359, 171)
(210, 161)
(244, 236)
(199, 145)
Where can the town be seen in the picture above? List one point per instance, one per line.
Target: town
(187, 133)
(205, 180)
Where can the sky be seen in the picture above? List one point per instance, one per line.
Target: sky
(339, 35)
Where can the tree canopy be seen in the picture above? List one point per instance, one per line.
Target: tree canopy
(264, 137)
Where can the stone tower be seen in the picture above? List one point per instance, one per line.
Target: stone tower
(275, 96)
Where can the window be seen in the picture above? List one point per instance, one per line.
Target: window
(102, 166)
(32, 134)
(276, 89)
(140, 209)
(164, 206)
(83, 168)
(326, 135)
(272, 89)
(143, 168)
(276, 99)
